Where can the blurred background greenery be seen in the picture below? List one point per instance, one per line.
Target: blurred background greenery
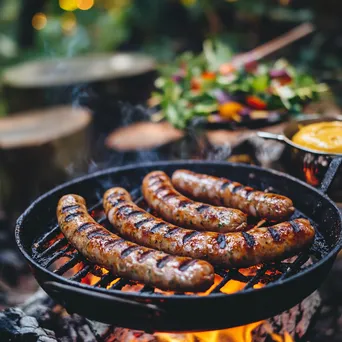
(31, 29)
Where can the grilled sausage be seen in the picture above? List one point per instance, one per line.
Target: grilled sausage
(238, 249)
(160, 195)
(128, 259)
(221, 191)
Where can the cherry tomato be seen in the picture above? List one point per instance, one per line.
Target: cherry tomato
(195, 84)
(207, 75)
(226, 69)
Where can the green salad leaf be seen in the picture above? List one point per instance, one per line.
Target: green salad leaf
(195, 86)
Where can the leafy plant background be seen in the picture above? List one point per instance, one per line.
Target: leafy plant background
(168, 27)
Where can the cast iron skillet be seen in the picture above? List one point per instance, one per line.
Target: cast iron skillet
(181, 312)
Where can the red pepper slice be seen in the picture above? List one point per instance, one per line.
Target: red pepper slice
(255, 102)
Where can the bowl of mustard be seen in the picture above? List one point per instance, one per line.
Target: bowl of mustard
(325, 136)
(312, 144)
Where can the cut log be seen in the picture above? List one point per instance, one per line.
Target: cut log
(142, 136)
(234, 138)
(38, 150)
(37, 84)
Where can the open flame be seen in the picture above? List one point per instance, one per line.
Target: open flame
(237, 334)
(285, 338)
(310, 173)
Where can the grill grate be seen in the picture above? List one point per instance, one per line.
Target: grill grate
(53, 251)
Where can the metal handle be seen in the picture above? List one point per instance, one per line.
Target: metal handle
(271, 136)
(53, 286)
(330, 175)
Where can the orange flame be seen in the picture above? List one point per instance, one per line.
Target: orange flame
(286, 338)
(237, 334)
(310, 175)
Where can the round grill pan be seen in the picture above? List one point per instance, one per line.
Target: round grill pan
(127, 304)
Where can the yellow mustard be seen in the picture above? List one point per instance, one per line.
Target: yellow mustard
(321, 136)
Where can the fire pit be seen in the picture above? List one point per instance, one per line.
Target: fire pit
(68, 278)
(44, 320)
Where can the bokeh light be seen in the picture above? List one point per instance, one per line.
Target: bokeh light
(68, 22)
(188, 2)
(116, 4)
(85, 4)
(39, 21)
(68, 5)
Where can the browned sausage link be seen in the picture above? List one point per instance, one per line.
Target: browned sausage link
(221, 191)
(128, 259)
(239, 249)
(160, 195)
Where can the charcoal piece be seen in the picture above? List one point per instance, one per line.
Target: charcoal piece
(16, 326)
(46, 339)
(8, 322)
(108, 333)
(295, 321)
(40, 307)
(74, 328)
(41, 320)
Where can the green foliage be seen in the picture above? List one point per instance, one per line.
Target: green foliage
(188, 87)
(149, 26)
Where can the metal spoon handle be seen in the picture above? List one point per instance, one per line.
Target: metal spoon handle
(272, 136)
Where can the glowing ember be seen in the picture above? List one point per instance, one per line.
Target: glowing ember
(132, 288)
(285, 338)
(112, 283)
(69, 273)
(233, 286)
(90, 279)
(237, 334)
(58, 263)
(310, 175)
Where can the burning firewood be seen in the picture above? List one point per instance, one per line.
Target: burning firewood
(43, 320)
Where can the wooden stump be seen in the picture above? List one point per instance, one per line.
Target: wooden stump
(142, 136)
(38, 84)
(38, 150)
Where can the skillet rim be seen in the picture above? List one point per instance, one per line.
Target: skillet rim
(155, 296)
